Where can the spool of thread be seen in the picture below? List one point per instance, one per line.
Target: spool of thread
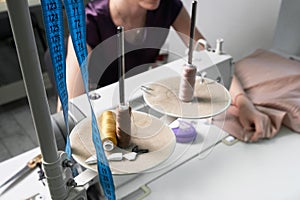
(107, 126)
(187, 83)
(123, 126)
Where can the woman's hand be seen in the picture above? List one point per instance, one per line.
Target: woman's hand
(257, 125)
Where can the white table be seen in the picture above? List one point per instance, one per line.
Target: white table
(264, 170)
(27, 187)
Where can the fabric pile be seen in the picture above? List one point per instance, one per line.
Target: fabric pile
(272, 83)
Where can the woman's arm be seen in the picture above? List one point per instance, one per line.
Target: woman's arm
(74, 79)
(73, 75)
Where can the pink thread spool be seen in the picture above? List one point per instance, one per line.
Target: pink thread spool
(187, 83)
(123, 123)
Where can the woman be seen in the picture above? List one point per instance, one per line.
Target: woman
(104, 16)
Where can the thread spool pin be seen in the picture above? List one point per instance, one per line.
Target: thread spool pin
(219, 46)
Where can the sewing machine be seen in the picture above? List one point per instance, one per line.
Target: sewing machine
(208, 62)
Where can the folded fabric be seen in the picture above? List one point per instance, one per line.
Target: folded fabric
(272, 83)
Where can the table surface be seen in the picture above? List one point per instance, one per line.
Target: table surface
(265, 170)
(27, 187)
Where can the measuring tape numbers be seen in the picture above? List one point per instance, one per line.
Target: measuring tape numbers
(53, 20)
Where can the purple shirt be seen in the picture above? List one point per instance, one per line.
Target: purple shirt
(100, 29)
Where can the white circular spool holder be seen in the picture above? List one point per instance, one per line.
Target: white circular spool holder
(147, 131)
(210, 98)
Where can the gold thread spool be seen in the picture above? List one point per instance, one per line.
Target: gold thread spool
(107, 126)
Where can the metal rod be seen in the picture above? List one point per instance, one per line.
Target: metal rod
(192, 31)
(31, 70)
(121, 64)
(21, 25)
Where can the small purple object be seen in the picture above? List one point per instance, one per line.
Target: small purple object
(185, 132)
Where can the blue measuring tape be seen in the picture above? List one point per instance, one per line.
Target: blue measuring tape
(53, 20)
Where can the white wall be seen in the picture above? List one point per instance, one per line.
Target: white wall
(245, 25)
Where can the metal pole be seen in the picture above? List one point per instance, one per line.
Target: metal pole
(121, 64)
(31, 70)
(192, 31)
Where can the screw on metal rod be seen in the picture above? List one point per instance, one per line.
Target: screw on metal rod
(67, 163)
(71, 183)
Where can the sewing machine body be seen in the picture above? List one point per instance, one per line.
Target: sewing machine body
(218, 67)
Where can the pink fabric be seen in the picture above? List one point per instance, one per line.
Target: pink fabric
(272, 83)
